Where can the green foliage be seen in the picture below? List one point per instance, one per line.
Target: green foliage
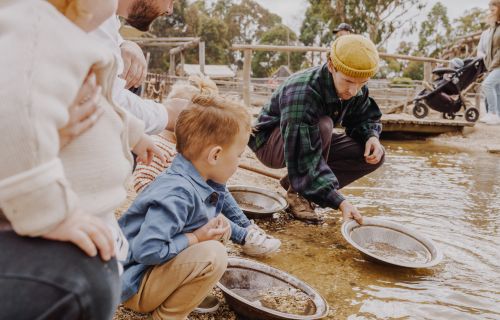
(264, 62)
(376, 19)
(472, 21)
(414, 70)
(435, 32)
(219, 25)
(402, 82)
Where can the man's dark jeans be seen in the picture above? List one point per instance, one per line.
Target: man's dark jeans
(344, 155)
(43, 279)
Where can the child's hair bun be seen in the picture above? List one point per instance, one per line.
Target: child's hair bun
(204, 84)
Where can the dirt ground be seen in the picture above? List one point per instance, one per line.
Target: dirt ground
(277, 223)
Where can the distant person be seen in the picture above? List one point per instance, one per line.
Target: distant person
(492, 63)
(343, 29)
(294, 129)
(481, 53)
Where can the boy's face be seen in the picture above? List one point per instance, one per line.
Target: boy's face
(229, 158)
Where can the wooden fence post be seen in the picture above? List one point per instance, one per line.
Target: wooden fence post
(183, 60)
(247, 66)
(427, 71)
(202, 57)
(171, 70)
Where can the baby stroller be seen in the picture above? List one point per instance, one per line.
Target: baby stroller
(445, 93)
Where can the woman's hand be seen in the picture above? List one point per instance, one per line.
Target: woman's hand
(83, 112)
(87, 232)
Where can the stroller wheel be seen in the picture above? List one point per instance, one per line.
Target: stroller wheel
(448, 116)
(471, 114)
(420, 110)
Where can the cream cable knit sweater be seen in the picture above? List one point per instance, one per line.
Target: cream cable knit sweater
(43, 62)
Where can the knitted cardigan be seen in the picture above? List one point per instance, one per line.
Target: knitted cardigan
(44, 61)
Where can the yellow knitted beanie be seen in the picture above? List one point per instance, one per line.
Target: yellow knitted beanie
(355, 56)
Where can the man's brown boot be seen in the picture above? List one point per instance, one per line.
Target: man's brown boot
(301, 208)
(284, 182)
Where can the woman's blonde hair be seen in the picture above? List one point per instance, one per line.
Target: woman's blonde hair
(210, 120)
(493, 19)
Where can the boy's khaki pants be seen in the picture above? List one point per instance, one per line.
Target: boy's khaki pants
(174, 289)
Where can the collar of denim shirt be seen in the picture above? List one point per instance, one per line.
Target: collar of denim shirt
(208, 190)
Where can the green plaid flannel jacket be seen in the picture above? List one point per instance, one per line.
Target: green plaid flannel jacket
(296, 107)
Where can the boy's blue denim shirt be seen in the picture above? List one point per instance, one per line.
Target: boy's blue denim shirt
(178, 201)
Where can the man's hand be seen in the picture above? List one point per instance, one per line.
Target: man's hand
(134, 64)
(145, 149)
(83, 112)
(350, 212)
(87, 232)
(373, 151)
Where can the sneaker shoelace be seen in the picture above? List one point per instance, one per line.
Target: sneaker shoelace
(257, 237)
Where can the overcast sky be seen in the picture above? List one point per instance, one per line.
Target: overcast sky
(293, 11)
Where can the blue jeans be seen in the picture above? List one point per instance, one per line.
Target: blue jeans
(43, 279)
(490, 90)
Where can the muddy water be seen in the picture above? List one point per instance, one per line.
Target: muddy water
(449, 195)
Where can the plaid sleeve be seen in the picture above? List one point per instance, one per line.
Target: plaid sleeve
(364, 120)
(308, 172)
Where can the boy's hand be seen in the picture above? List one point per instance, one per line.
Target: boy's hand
(145, 149)
(350, 212)
(87, 232)
(213, 230)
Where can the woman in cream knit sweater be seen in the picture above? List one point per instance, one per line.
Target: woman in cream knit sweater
(66, 195)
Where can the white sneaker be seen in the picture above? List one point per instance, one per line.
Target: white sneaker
(487, 117)
(258, 243)
(493, 120)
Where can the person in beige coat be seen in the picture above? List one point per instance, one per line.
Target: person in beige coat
(52, 199)
(492, 63)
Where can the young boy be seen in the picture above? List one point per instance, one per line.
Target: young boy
(174, 225)
(254, 241)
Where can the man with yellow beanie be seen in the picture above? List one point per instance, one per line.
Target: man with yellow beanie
(295, 129)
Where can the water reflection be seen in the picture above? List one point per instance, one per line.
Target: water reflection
(453, 197)
(448, 195)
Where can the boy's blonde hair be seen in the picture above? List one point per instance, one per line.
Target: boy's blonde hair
(210, 120)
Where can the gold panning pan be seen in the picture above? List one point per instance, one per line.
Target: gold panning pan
(257, 291)
(258, 202)
(391, 243)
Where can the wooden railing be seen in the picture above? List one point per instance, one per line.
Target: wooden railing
(429, 63)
